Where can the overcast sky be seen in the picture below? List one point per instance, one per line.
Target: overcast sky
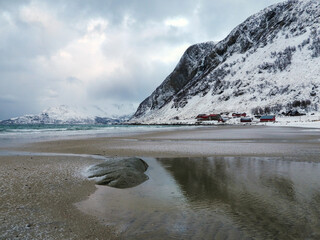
(101, 52)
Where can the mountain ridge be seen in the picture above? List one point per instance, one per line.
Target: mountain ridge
(64, 114)
(256, 69)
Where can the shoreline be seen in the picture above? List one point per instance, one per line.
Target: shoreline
(309, 120)
(204, 141)
(47, 188)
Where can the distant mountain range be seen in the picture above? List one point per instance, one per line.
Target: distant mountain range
(74, 115)
(270, 63)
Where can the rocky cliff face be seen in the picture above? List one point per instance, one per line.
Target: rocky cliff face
(269, 63)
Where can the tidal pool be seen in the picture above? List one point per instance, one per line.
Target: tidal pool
(216, 198)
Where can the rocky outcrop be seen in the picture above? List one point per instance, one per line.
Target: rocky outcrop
(185, 71)
(266, 63)
(122, 173)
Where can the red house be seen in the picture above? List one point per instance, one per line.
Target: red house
(202, 117)
(239, 114)
(268, 118)
(210, 117)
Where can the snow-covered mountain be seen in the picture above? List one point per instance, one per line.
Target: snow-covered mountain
(268, 64)
(74, 115)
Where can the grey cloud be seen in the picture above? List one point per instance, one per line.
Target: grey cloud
(8, 98)
(142, 10)
(72, 79)
(218, 18)
(135, 88)
(12, 6)
(22, 42)
(17, 107)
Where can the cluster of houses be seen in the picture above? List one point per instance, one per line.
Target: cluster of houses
(223, 117)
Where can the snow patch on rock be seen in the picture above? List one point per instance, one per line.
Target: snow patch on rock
(267, 64)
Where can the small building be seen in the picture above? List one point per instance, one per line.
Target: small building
(239, 115)
(268, 118)
(202, 117)
(246, 119)
(215, 117)
(210, 117)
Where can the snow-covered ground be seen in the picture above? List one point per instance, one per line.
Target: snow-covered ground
(311, 120)
(307, 121)
(269, 63)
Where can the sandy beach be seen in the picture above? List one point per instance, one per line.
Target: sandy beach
(160, 120)
(40, 194)
(193, 142)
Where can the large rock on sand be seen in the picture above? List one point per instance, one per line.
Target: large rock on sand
(120, 173)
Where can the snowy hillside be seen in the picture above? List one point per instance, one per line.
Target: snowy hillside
(268, 64)
(74, 115)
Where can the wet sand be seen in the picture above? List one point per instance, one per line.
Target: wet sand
(194, 142)
(38, 195)
(47, 197)
(215, 198)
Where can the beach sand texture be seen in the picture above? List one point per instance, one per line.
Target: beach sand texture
(37, 197)
(39, 193)
(193, 142)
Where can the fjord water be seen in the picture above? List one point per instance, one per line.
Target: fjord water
(216, 198)
(11, 135)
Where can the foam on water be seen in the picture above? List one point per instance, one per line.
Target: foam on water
(17, 134)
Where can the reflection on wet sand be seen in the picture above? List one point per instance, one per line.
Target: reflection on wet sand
(216, 198)
(268, 198)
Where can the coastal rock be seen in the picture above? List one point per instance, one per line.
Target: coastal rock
(123, 173)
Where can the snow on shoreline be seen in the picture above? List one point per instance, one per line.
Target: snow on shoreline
(268, 63)
(306, 121)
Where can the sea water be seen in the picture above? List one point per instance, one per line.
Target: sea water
(24, 133)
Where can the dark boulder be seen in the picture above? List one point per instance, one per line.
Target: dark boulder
(120, 173)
